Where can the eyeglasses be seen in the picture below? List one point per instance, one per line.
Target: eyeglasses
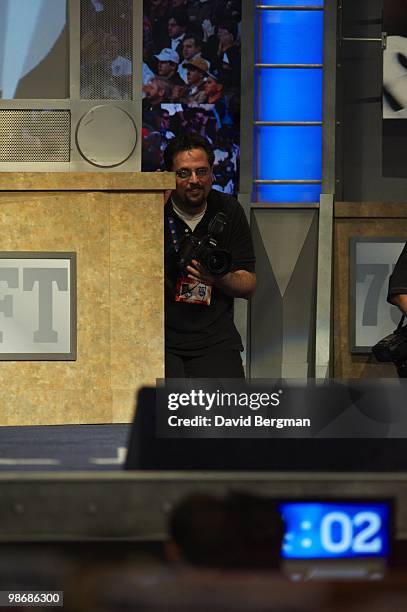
(184, 173)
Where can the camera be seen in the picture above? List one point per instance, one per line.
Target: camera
(205, 250)
(394, 348)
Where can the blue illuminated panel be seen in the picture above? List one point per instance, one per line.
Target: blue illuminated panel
(290, 37)
(289, 153)
(288, 193)
(289, 94)
(291, 2)
(335, 530)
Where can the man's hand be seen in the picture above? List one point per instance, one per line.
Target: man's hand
(240, 283)
(400, 300)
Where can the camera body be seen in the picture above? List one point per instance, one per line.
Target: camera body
(393, 347)
(205, 250)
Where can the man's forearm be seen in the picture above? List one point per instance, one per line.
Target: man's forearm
(239, 284)
(400, 300)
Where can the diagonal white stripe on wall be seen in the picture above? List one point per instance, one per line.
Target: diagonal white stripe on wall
(283, 233)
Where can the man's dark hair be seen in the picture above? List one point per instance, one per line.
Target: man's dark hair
(254, 532)
(196, 525)
(180, 17)
(186, 142)
(241, 531)
(197, 39)
(230, 26)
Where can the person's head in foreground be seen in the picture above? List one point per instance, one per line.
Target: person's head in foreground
(242, 531)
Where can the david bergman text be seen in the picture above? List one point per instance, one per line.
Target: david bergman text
(241, 421)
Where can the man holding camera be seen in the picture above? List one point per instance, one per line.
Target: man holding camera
(393, 347)
(398, 283)
(209, 261)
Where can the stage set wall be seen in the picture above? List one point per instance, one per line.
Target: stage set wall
(298, 320)
(114, 224)
(370, 202)
(300, 315)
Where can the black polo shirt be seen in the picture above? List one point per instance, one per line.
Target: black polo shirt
(197, 329)
(398, 280)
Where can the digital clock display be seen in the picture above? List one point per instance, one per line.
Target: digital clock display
(334, 530)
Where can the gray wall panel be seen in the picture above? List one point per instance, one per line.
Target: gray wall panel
(360, 107)
(283, 308)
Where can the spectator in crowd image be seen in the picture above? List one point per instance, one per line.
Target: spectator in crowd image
(191, 49)
(177, 26)
(228, 54)
(97, 5)
(223, 177)
(213, 88)
(225, 165)
(167, 68)
(196, 72)
(228, 10)
(155, 139)
(99, 53)
(214, 92)
(151, 150)
(155, 92)
(109, 16)
(207, 31)
(148, 74)
(200, 11)
(178, 92)
(120, 65)
(233, 110)
(162, 125)
(242, 531)
(148, 43)
(158, 14)
(225, 139)
(202, 122)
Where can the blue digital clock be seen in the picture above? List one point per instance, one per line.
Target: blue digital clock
(336, 530)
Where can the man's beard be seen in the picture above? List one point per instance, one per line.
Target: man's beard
(195, 201)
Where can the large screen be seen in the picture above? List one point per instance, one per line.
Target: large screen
(336, 530)
(33, 49)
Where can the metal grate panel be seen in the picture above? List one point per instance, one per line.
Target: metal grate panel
(106, 50)
(35, 135)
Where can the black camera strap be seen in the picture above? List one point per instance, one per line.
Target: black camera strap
(400, 325)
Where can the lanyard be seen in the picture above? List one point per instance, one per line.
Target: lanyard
(173, 232)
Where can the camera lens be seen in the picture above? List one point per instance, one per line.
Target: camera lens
(218, 262)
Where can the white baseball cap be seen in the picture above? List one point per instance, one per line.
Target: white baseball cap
(168, 55)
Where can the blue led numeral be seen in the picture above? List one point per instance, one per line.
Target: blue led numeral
(358, 543)
(316, 530)
(361, 543)
(344, 541)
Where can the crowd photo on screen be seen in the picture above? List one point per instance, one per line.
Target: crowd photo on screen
(106, 50)
(191, 81)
